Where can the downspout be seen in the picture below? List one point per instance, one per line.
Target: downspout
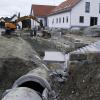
(70, 19)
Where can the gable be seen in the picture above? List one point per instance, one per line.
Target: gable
(41, 10)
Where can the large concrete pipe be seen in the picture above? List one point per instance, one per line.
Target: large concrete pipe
(22, 93)
(36, 79)
(36, 82)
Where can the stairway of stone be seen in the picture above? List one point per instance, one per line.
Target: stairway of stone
(92, 48)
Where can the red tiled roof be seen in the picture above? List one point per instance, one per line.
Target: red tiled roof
(42, 10)
(66, 5)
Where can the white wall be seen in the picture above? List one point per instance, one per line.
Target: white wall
(74, 15)
(61, 24)
(34, 23)
(20, 24)
(79, 10)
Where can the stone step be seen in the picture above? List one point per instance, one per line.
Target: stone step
(94, 47)
(85, 49)
(82, 50)
(90, 48)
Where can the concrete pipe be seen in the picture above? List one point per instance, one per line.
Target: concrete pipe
(37, 80)
(38, 76)
(34, 85)
(22, 93)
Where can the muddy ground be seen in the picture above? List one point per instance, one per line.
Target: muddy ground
(17, 58)
(83, 82)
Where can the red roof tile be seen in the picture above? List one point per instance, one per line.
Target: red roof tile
(66, 5)
(42, 10)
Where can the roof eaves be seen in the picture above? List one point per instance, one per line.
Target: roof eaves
(60, 11)
(67, 8)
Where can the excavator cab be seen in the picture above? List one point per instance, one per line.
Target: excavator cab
(10, 27)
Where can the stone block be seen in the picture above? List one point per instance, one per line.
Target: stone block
(77, 57)
(79, 44)
(93, 56)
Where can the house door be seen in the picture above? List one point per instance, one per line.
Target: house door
(93, 21)
(41, 21)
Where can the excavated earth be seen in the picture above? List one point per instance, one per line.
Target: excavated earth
(83, 82)
(16, 59)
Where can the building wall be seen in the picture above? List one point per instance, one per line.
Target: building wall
(34, 23)
(20, 24)
(53, 23)
(74, 15)
(79, 10)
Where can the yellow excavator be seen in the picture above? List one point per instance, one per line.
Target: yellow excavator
(11, 26)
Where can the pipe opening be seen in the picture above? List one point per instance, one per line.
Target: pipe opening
(33, 85)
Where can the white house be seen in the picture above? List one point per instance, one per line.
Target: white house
(75, 14)
(41, 12)
(2, 19)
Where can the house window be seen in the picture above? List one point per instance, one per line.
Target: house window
(99, 7)
(87, 7)
(67, 19)
(81, 19)
(53, 21)
(63, 19)
(59, 20)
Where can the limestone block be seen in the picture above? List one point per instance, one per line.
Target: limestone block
(77, 56)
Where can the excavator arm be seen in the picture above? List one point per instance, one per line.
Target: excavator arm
(28, 17)
(12, 25)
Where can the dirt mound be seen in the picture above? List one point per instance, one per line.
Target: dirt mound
(83, 82)
(92, 31)
(17, 58)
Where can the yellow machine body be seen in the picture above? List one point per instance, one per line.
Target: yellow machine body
(10, 25)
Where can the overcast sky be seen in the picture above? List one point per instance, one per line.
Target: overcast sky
(10, 7)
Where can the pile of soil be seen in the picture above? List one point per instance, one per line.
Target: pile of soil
(93, 31)
(17, 58)
(83, 83)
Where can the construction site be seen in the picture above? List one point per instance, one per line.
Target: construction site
(67, 61)
(50, 60)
